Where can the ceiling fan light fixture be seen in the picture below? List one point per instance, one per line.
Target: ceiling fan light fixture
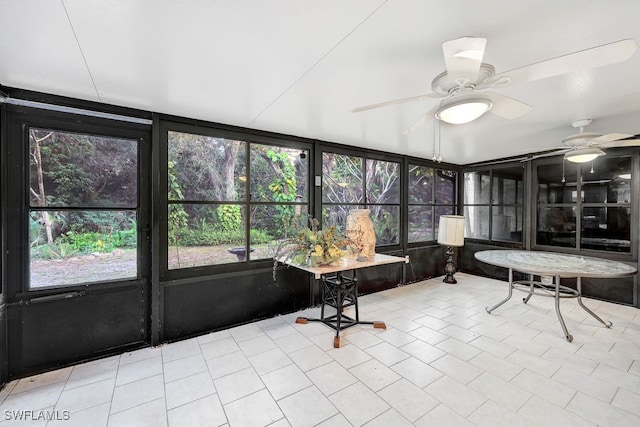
(463, 110)
(583, 155)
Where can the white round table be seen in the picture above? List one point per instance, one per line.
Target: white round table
(554, 266)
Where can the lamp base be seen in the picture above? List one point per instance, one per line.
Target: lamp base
(449, 268)
(450, 279)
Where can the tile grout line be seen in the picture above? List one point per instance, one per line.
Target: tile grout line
(212, 382)
(113, 391)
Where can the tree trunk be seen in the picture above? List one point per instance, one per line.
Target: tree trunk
(231, 152)
(41, 193)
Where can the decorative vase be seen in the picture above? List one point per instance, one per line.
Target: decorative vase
(362, 235)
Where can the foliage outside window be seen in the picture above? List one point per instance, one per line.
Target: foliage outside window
(432, 193)
(82, 216)
(352, 182)
(493, 204)
(590, 210)
(230, 200)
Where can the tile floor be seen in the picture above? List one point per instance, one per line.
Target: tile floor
(442, 361)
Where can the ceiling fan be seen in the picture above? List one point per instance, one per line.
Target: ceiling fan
(463, 83)
(585, 146)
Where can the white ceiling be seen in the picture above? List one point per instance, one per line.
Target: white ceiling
(299, 67)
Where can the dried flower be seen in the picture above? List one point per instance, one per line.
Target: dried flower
(312, 247)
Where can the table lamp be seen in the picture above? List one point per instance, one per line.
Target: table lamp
(450, 233)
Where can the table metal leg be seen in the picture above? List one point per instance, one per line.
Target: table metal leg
(324, 298)
(567, 335)
(595, 316)
(489, 310)
(339, 302)
(355, 294)
(340, 292)
(531, 288)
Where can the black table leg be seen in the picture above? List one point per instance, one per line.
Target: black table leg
(340, 291)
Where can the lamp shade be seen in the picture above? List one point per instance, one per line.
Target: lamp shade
(451, 230)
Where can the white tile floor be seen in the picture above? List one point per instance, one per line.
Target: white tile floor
(442, 361)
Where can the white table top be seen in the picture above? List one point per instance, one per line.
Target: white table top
(552, 263)
(347, 264)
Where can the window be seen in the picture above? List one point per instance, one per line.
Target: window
(590, 210)
(477, 204)
(351, 182)
(432, 193)
(279, 195)
(557, 209)
(506, 204)
(493, 204)
(230, 200)
(82, 208)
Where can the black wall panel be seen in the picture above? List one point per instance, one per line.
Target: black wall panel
(425, 263)
(4, 374)
(376, 279)
(471, 265)
(618, 290)
(197, 306)
(615, 290)
(54, 333)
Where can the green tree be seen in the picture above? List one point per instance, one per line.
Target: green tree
(177, 216)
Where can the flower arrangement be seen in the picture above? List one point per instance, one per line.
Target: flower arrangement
(313, 247)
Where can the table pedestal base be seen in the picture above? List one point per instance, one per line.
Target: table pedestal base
(339, 291)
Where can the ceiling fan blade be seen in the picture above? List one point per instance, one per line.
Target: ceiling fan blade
(610, 53)
(549, 154)
(421, 121)
(610, 137)
(398, 101)
(621, 143)
(497, 162)
(507, 107)
(463, 57)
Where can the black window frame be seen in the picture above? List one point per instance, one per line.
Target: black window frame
(211, 130)
(18, 190)
(493, 204)
(434, 203)
(579, 205)
(367, 155)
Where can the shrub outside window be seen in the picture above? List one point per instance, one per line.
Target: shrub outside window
(230, 200)
(432, 193)
(352, 182)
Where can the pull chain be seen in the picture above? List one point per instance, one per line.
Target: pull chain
(439, 159)
(434, 141)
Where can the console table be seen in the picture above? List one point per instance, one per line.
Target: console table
(554, 266)
(340, 290)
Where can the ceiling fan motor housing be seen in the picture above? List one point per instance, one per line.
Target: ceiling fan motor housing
(581, 124)
(443, 85)
(581, 139)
